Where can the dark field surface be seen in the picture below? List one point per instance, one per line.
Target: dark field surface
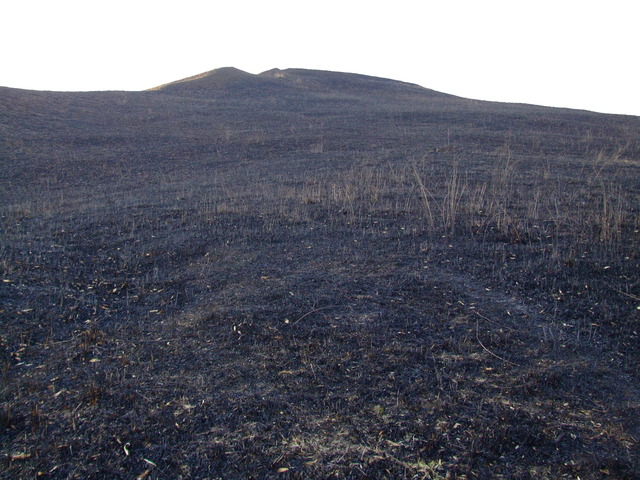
(307, 274)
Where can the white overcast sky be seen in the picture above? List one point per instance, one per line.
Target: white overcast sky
(565, 53)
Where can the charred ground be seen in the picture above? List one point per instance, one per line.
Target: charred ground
(306, 274)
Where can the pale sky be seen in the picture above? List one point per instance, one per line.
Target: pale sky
(565, 53)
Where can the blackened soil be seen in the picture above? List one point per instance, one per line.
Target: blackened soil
(319, 286)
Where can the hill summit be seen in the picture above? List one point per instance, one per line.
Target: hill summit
(293, 80)
(220, 78)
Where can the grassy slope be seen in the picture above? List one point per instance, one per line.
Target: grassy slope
(310, 274)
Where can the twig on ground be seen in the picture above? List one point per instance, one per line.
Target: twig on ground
(309, 313)
(484, 317)
(635, 297)
(489, 351)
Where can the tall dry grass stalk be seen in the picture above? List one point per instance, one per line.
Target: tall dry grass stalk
(456, 187)
(425, 196)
